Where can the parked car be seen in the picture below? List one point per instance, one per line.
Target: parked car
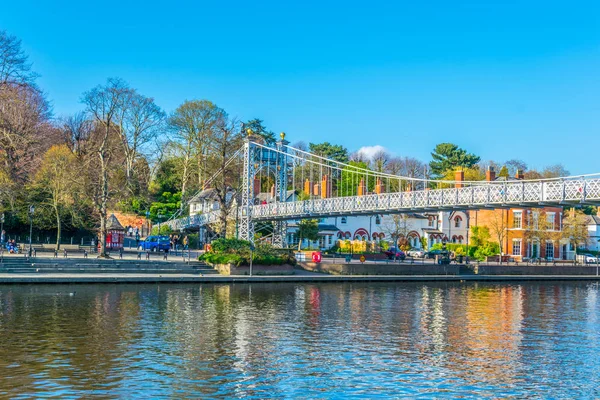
(395, 253)
(416, 253)
(156, 243)
(587, 259)
(433, 253)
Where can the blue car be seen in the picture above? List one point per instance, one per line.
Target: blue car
(156, 243)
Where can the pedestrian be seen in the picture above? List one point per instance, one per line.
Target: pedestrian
(85, 254)
(166, 254)
(185, 242)
(120, 253)
(147, 255)
(55, 253)
(65, 253)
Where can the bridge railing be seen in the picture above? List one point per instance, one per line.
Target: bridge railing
(552, 192)
(505, 193)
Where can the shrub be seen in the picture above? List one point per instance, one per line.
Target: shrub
(237, 252)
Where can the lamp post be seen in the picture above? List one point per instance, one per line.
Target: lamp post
(1, 229)
(159, 216)
(31, 211)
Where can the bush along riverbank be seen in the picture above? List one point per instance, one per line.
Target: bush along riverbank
(232, 257)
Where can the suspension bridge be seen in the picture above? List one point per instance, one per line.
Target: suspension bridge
(322, 187)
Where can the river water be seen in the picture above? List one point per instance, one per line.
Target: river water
(301, 340)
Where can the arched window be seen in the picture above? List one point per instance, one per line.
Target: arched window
(347, 235)
(377, 220)
(457, 221)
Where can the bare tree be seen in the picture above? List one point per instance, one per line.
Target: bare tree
(358, 156)
(105, 104)
(515, 165)
(380, 160)
(15, 69)
(77, 130)
(194, 124)
(538, 229)
(498, 224)
(397, 227)
(140, 125)
(575, 229)
(226, 142)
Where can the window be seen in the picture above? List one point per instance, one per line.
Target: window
(344, 220)
(536, 220)
(430, 222)
(517, 219)
(550, 220)
(457, 221)
(377, 220)
(549, 250)
(516, 248)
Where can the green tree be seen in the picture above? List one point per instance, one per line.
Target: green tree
(55, 181)
(575, 228)
(480, 235)
(307, 229)
(259, 129)
(503, 172)
(194, 125)
(351, 176)
(331, 151)
(448, 156)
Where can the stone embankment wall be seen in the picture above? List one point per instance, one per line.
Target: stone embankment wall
(230, 269)
(380, 269)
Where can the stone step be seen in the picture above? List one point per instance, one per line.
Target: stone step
(106, 270)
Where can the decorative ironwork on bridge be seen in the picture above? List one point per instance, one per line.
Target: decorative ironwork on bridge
(322, 187)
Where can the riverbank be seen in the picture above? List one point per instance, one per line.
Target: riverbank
(62, 278)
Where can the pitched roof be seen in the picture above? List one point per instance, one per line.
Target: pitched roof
(113, 224)
(328, 227)
(266, 196)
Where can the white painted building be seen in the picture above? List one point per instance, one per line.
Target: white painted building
(594, 232)
(434, 227)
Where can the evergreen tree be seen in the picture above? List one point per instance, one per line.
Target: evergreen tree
(448, 156)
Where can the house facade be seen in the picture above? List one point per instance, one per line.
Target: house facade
(594, 232)
(523, 232)
(451, 227)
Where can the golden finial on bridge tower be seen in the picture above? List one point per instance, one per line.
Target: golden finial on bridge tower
(282, 135)
(249, 131)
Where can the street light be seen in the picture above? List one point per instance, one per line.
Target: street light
(31, 211)
(1, 228)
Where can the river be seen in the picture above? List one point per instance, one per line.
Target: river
(287, 340)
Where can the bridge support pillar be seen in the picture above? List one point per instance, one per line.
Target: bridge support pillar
(279, 232)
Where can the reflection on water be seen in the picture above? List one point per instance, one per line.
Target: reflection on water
(301, 340)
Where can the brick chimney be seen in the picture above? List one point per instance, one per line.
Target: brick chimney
(362, 189)
(325, 187)
(256, 186)
(490, 174)
(520, 174)
(307, 187)
(459, 177)
(379, 188)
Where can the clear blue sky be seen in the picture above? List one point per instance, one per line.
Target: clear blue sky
(504, 79)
